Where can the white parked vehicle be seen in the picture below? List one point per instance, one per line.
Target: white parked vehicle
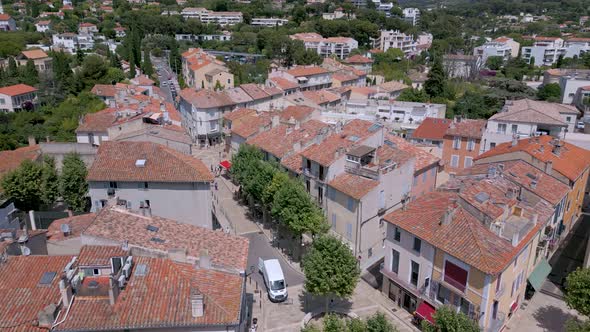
(580, 125)
(274, 279)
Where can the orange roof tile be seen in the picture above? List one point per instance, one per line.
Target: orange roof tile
(321, 97)
(467, 128)
(432, 128)
(77, 225)
(15, 90)
(249, 125)
(423, 158)
(284, 83)
(96, 256)
(116, 161)
(571, 162)
(353, 185)
(307, 71)
(34, 54)
(298, 113)
(98, 122)
(238, 113)
(5, 17)
(280, 140)
(355, 59)
(11, 159)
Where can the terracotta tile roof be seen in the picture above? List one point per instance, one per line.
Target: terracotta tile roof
(293, 163)
(464, 237)
(298, 113)
(307, 71)
(99, 255)
(363, 90)
(15, 90)
(143, 80)
(344, 77)
(104, 90)
(467, 128)
(571, 162)
(238, 96)
(98, 122)
(161, 299)
(308, 36)
(338, 40)
(502, 39)
(541, 38)
(86, 25)
(284, 83)
(171, 133)
(249, 125)
(352, 185)
(44, 22)
(77, 225)
(238, 113)
(523, 174)
(533, 111)
(392, 86)
(22, 295)
(280, 140)
(423, 158)
(254, 91)
(11, 159)
(116, 161)
(228, 252)
(206, 98)
(34, 54)
(352, 133)
(432, 128)
(321, 97)
(5, 17)
(355, 59)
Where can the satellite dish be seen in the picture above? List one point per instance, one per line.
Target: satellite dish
(26, 251)
(65, 228)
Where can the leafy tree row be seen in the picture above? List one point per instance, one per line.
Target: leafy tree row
(332, 323)
(37, 185)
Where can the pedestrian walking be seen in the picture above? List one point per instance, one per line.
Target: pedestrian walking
(215, 185)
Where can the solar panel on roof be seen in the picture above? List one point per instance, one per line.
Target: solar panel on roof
(353, 138)
(375, 127)
(141, 270)
(47, 278)
(482, 197)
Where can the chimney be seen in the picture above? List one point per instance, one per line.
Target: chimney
(549, 167)
(204, 259)
(448, 215)
(32, 141)
(556, 147)
(65, 289)
(297, 146)
(515, 239)
(197, 304)
(275, 121)
(297, 125)
(46, 317)
(177, 254)
(289, 130)
(113, 290)
(514, 139)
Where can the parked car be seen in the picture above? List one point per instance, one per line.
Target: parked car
(580, 125)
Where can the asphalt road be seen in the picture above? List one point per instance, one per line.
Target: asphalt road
(260, 247)
(165, 73)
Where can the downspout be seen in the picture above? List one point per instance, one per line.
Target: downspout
(359, 218)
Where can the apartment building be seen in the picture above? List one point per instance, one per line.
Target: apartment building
(504, 47)
(395, 39)
(570, 84)
(201, 112)
(360, 62)
(211, 17)
(224, 36)
(70, 42)
(87, 28)
(411, 15)
(462, 66)
(461, 143)
(306, 77)
(15, 98)
(564, 161)
(545, 51)
(327, 47)
(484, 277)
(203, 71)
(152, 178)
(338, 14)
(40, 59)
(268, 22)
(528, 118)
(43, 26)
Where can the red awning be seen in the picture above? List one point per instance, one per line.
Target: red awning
(514, 306)
(225, 164)
(425, 311)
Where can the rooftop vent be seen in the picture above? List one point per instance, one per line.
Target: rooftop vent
(482, 197)
(152, 228)
(157, 240)
(531, 176)
(65, 229)
(93, 284)
(140, 163)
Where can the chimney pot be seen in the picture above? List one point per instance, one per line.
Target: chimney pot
(204, 259)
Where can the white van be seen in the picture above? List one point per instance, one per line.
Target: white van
(274, 279)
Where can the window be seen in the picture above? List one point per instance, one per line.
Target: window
(414, 274)
(568, 118)
(417, 244)
(443, 294)
(394, 261)
(501, 128)
(455, 276)
(96, 272)
(350, 204)
(492, 145)
(514, 129)
(471, 144)
(143, 185)
(456, 142)
(454, 160)
(228, 81)
(499, 282)
(349, 231)
(468, 162)
(2, 101)
(333, 220)
(397, 235)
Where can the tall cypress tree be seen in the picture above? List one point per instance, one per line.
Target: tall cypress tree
(30, 75)
(436, 84)
(146, 66)
(132, 72)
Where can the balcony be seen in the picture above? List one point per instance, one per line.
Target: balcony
(454, 283)
(362, 171)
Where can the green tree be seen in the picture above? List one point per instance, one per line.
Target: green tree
(473, 105)
(243, 160)
(447, 319)
(30, 75)
(293, 207)
(23, 185)
(12, 68)
(49, 182)
(356, 325)
(330, 269)
(333, 323)
(132, 72)
(415, 95)
(73, 185)
(494, 62)
(278, 180)
(378, 323)
(436, 84)
(550, 92)
(577, 295)
(259, 176)
(146, 66)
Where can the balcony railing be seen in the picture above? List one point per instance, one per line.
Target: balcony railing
(362, 171)
(457, 284)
